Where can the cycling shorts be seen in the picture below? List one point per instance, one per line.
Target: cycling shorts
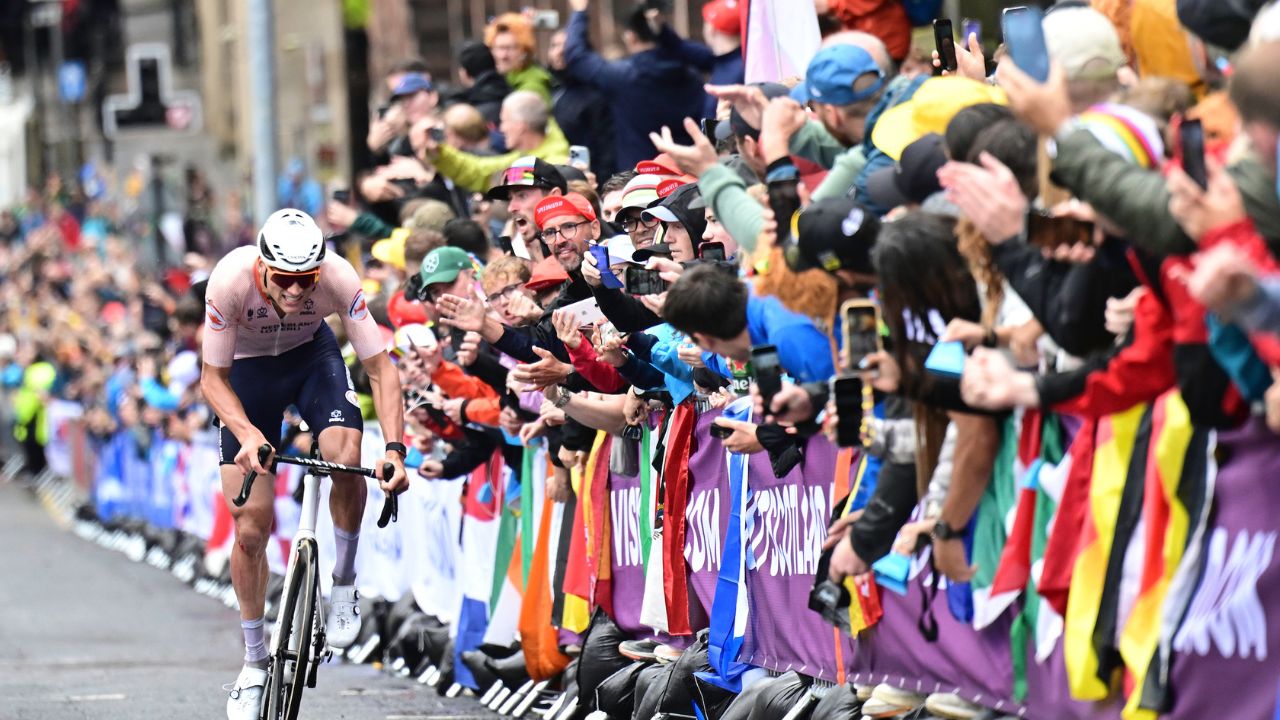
(312, 377)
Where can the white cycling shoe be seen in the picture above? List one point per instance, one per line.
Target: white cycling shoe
(342, 624)
(245, 702)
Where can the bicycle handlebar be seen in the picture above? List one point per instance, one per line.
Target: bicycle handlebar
(390, 507)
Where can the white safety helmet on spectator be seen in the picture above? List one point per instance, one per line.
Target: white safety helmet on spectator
(291, 241)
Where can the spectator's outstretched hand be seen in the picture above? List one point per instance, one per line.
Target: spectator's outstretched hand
(1199, 211)
(782, 118)
(566, 325)
(990, 382)
(743, 440)
(692, 159)
(469, 349)
(971, 62)
(579, 5)
(748, 100)
(1223, 278)
(544, 373)
(1044, 107)
(987, 194)
(462, 313)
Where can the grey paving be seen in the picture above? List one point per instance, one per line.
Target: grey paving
(85, 633)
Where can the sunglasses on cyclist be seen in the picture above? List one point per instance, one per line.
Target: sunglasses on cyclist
(286, 280)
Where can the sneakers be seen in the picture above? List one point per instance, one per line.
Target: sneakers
(887, 701)
(637, 649)
(342, 625)
(245, 702)
(665, 654)
(952, 707)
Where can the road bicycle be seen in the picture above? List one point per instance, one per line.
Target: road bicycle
(298, 644)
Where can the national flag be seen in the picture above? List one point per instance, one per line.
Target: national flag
(538, 638)
(994, 519)
(779, 41)
(479, 546)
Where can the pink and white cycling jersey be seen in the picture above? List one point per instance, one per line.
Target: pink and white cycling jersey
(241, 322)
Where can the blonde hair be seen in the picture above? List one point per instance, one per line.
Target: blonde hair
(503, 271)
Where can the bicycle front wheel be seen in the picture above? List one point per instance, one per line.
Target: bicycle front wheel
(291, 663)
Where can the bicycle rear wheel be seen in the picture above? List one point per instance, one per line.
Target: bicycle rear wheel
(288, 666)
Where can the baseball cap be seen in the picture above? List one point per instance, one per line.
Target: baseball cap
(621, 249)
(913, 178)
(1084, 42)
(643, 254)
(528, 171)
(402, 309)
(723, 16)
(739, 126)
(441, 265)
(663, 165)
(832, 72)
(412, 336)
(833, 234)
(410, 84)
(390, 250)
(547, 273)
(570, 173)
(555, 206)
(929, 110)
(640, 191)
(677, 208)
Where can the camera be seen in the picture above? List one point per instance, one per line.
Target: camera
(831, 601)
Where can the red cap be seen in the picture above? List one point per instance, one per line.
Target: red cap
(723, 16)
(401, 311)
(666, 187)
(663, 165)
(554, 206)
(547, 273)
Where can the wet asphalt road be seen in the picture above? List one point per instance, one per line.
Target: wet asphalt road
(86, 633)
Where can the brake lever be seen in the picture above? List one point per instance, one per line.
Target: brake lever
(264, 452)
(390, 506)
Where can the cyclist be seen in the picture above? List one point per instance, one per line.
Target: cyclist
(266, 347)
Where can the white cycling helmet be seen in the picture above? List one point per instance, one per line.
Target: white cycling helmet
(291, 241)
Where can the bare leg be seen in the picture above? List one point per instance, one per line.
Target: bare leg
(253, 530)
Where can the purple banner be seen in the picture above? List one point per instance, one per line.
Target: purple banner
(707, 514)
(1225, 650)
(628, 565)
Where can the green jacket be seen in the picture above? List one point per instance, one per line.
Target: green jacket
(725, 192)
(534, 78)
(1137, 200)
(475, 172)
(370, 226)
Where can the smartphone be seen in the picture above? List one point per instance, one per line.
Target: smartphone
(342, 196)
(711, 252)
(436, 134)
(944, 39)
(846, 392)
(861, 320)
(766, 368)
(720, 431)
(546, 20)
(580, 157)
(408, 185)
(642, 281)
(586, 311)
(1049, 231)
(708, 127)
(946, 359)
(607, 278)
(1191, 135)
(970, 26)
(1024, 37)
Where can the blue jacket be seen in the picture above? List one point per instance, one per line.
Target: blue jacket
(645, 91)
(803, 349)
(726, 69)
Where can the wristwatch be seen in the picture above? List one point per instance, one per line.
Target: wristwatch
(398, 447)
(563, 398)
(943, 531)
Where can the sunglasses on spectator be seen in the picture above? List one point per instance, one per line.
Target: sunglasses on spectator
(568, 231)
(630, 222)
(285, 280)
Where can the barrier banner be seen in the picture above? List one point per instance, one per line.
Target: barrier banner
(627, 561)
(60, 417)
(787, 521)
(1223, 662)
